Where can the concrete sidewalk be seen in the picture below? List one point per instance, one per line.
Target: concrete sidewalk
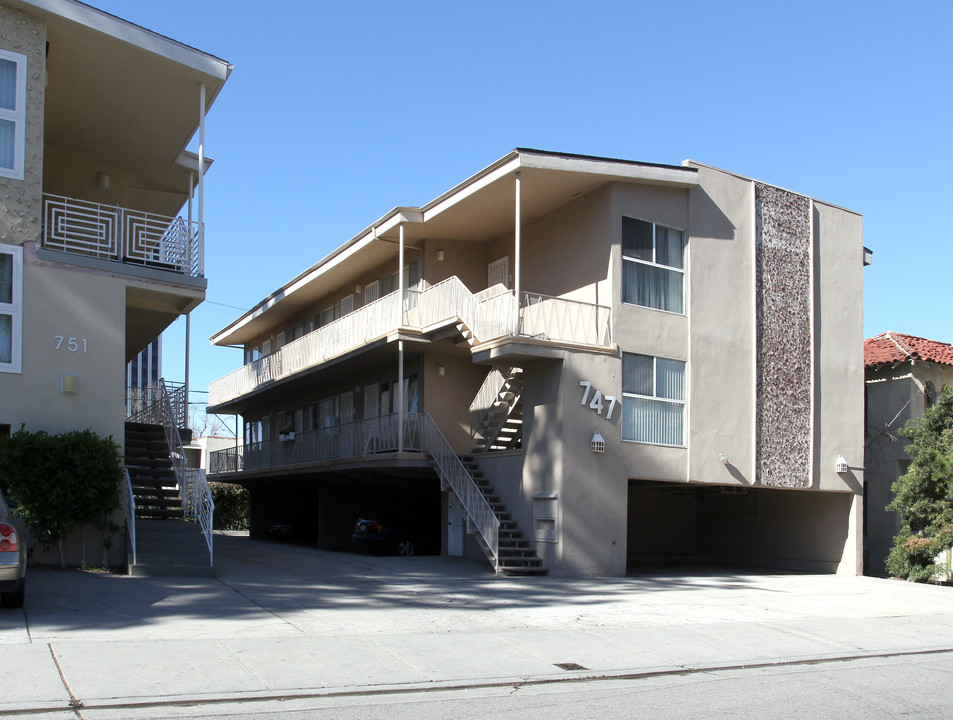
(285, 621)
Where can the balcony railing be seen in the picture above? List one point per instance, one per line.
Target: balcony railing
(108, 232)
(145, 404)
(488, 315)
(355, 439)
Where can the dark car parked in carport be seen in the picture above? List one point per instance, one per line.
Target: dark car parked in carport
(12, 558)
(382, 538)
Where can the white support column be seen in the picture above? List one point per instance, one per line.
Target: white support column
(400, 344)
(188, 336)
(201, 219)
(516, 251)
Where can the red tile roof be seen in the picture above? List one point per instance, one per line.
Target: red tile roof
(891, 347)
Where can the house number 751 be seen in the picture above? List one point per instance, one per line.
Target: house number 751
(598, 401)
(72, 344)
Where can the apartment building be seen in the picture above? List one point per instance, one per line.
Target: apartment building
(101, 206)
(568, 364)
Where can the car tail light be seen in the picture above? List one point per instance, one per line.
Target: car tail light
(377, 527)
(8, 538)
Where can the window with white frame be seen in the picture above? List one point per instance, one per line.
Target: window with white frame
(653, 399)
(12, 113)
(11, 307)
(653, 265)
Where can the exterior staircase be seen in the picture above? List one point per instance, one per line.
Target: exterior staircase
(502, 426)
(165, 543)
(516, 555)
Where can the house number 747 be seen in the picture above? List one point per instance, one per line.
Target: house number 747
(598, 402)
(72, 344)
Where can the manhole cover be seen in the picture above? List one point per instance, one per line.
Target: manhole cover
(570, 666)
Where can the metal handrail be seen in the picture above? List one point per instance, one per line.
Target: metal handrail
(196, 495)
(130, 503)
(486, 396)
(453, 473)
(118, 234)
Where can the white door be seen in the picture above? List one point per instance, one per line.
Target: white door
(498, 272)
(372, 291)
(454, 526)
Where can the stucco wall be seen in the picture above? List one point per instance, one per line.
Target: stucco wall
(21, 209)
(58, 300)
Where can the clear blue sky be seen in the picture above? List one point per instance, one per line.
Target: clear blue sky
(337, 112)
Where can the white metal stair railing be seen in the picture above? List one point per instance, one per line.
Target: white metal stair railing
(144, 404)
(486, 396)
(120, 234)
(453, 474)
(129, 502)
(196, 495)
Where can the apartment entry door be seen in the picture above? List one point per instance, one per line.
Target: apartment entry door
(454, 526)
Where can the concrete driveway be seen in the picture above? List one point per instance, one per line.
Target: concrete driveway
(285, 621)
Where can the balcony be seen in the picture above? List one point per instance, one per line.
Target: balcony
(482, 317)
(356, 439)
(121, 235)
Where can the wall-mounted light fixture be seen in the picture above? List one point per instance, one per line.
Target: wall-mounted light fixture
(102, 181)
(722, 458)
(69, 384)
(357, 289)
(840, 465)
(598, 444)
(441, 370)
(441, 255)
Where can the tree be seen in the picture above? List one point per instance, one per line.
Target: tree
(924, 495)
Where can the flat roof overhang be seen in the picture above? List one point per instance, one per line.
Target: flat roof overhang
(124, 97)
(478, 209)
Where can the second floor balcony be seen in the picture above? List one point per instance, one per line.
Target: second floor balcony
(121, 235)
(489, 315)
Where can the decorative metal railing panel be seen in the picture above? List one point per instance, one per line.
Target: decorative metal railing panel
(488, 315)
(121, 235)
(144, 404)
(561, 320)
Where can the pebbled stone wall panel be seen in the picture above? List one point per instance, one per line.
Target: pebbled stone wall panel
(784, 353)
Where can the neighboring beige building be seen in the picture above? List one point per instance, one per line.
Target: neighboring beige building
(634, 363)
(95, 257)
(905, 374)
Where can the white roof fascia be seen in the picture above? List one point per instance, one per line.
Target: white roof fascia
(190, 160)
(617, 168)
(695, 163)
(134, 35)
(473, 184)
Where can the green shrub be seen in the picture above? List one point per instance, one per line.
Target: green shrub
(231, 506)
(62, 481)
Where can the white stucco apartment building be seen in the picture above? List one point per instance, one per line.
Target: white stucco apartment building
(101, 227)
(586, 364)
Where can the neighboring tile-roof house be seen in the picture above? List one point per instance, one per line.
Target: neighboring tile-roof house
(891, 347)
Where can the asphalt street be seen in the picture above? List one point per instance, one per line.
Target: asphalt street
(287, 629)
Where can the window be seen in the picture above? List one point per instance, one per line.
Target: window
(653, 265)
(11, 307)
(653, 399)
(12, 113)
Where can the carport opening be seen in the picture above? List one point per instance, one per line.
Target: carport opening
(681, 525)
(322, 511)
